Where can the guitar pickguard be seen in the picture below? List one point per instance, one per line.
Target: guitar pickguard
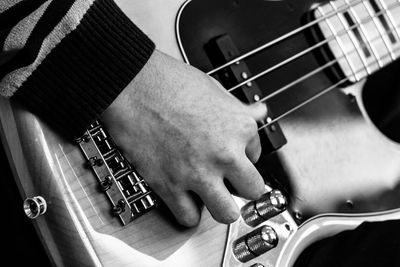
(335, 160)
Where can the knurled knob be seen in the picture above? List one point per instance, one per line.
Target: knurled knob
(269, 205)
(255, 243)
(241, 250)
(262, 240)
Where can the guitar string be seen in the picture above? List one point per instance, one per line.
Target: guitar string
(310, 99)
(286, 36)
(327, 65)
(324, 67)
(314, 47)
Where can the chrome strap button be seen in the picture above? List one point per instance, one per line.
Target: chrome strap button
(34, 207)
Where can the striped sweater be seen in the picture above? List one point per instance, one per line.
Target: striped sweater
(67, 60)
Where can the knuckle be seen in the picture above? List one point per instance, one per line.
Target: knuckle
(227, 157)
(199, 179)
(249, 124)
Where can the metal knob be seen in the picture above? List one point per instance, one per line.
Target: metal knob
(255, 243)
(35, 206)
(269, 205)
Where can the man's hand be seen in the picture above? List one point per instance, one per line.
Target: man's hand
(186, 135)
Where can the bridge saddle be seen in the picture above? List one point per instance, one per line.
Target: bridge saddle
(129, 194)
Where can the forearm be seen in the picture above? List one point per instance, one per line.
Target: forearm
(68, 60)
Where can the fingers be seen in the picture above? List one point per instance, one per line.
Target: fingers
(219, 201)
(253, 149)
(246, 179)
(183, 206)
(258, 111)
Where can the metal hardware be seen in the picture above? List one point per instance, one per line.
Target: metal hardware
(34, 207)
(258, 243)
(268, 206)
(119, 208)
(255, 243)
(298, 215)
(350, 204)
(288, 227)
(94, 161)
(129, 194)
(106, 183)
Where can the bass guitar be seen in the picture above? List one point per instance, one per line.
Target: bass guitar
(331, 156)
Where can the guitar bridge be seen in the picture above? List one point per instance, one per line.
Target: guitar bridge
(129, 194)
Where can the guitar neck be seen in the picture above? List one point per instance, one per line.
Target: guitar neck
(363, 35)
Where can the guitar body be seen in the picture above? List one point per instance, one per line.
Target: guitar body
(335, 155)
(336, 159)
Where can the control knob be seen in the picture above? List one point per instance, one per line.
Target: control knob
(255, 243)
(269, 205)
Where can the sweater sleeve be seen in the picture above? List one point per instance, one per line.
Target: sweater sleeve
(67, 60)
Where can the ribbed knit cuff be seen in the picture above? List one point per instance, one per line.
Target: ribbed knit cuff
(83, 74)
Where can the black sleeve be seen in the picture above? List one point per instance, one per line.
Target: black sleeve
(87, 70)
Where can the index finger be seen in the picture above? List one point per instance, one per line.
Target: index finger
(246, 179)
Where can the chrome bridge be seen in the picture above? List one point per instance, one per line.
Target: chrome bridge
(129, 194)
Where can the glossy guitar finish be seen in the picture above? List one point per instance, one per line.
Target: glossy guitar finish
(335, 159)
(334, 154)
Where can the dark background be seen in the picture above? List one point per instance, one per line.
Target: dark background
(20, 243)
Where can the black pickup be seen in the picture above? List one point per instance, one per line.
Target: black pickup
(222, 50)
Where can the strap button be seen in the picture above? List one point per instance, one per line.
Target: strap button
(34, 207)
